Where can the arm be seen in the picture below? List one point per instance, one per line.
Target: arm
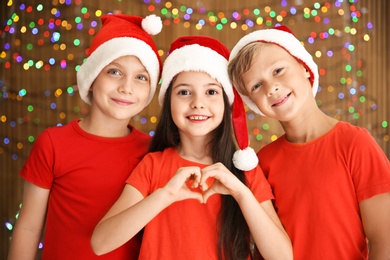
(375, 214)
(264, 224)
(131, 212)
(28, 228)
(267, 231)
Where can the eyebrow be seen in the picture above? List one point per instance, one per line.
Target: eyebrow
(206, 85)
(143, 69)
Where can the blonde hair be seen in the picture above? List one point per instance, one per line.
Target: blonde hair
(242, 62)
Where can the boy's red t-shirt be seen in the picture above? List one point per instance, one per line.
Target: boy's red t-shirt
(85, 175)
(318, 186)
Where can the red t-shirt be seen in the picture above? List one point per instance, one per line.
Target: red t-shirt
(318, 186)
(186, 229)
(85, 175)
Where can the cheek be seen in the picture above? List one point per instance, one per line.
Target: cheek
(174, 111)
(146, 89)
(260, 100)
(143, 92)
(177, 119)
(220, 106)
(257, 96)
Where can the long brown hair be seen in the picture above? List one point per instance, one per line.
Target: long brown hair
(234, 234)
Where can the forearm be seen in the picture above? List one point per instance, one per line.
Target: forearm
(375, 213)
(379, 250)
(120, 228)
(271, 239)
(29, 226)
(24, 243)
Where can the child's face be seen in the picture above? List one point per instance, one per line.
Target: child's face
(121, 89)
(197, 104)
(277, 83)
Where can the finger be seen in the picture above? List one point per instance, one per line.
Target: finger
(215, 166)
(207, 194)
(207, 177)
(196, 177)
(190, 173)
(195, 195)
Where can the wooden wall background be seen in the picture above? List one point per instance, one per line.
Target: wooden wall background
(37, 70)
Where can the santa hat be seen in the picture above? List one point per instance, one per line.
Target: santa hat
(283, 37)
(122, 35)
(205, 54)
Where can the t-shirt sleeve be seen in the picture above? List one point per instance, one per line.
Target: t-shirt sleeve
(140, 178)
(259, 185)
(39, 165)
(370, 167)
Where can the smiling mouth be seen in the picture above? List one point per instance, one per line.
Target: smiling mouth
(198, 118)
(122, 102)
(281, 101)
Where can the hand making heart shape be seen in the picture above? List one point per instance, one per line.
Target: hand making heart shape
(194, 183)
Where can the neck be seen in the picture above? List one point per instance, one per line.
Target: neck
(102, 128)
(194, 150)
(307, 128)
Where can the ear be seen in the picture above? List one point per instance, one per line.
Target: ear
(307, 74)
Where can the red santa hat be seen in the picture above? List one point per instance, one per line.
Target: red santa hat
(283, 37)
(206, 54)
(122, 35)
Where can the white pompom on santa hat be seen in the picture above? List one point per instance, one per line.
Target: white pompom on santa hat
(283, 37)
(206, 54)
(122, 35)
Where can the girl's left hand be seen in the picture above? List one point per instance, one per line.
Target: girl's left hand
(225, 183)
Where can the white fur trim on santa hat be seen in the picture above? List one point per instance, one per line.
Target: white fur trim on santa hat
(110, 51)
(245, 160)
(195, 57)
(284, 39)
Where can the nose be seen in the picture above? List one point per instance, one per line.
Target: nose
(126, 87)
(272, 89)
(197, 102)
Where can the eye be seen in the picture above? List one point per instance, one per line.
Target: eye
(277, 71)
(183, 92)
(114, 72)
(256, 86)
(142, 77)
(211, 92)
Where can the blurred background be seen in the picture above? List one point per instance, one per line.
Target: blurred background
(44, 42)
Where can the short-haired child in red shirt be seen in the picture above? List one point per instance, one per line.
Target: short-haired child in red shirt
(331, 180)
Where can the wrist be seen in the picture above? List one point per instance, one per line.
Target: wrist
(243, 194)
(166, 197)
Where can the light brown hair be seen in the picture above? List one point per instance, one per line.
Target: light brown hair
(242, 62)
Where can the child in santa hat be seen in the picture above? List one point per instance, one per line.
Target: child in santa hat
(76, 172)
(176, 192)
(330, 179)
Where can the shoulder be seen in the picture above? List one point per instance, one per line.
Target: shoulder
(56, 132)
(160, 155)
(346, 133)
(158, 160)
(139, 140)
(272, 147)
(62, 129)
(139, 134)
(168, 154)
(347, 128)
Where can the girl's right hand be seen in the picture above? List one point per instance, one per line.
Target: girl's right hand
(177, 187)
